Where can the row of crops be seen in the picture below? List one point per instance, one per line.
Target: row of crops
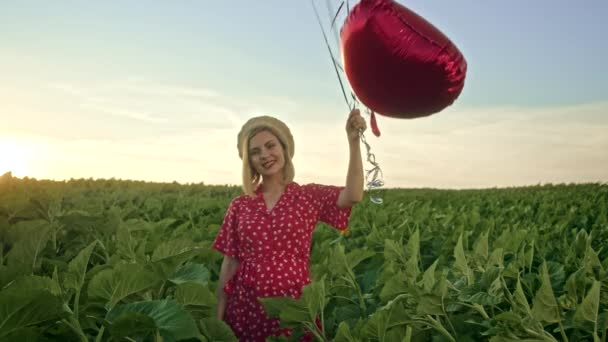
(114, 260)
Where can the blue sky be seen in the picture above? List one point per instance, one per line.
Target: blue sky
(150, 84)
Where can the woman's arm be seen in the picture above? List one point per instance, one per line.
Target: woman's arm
(353, 191)
(229, 267)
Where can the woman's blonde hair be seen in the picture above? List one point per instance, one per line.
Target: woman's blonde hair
(251, 178)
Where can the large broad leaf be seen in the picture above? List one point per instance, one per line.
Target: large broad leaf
(496, 258)
(170, 319)
(520, 302)
(216, 330)
(592, 261)
(480, 248)
(295, 312)
(429, 305)
(29, 334)
(171, 254)
(545, 308)
(77, 268)
(31, 238)
(428, 278)
(412, 251)
(196, 298)
(337, 262)
(395, 286)
(460, 263)
(394, 252)
(191, 273)
(355, 257)
(376, 326)
(343, 334)
(125, 244)
(588, 309)
(28, 301)
(122, 281)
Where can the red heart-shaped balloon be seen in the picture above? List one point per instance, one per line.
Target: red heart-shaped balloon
(397, 63)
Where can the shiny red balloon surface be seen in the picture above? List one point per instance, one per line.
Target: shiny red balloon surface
(397, 63)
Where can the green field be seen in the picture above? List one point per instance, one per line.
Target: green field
(99, 260)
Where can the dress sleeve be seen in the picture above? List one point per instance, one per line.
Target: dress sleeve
(329, 212)
(226, 240)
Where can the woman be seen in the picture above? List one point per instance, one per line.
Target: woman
(266, 234)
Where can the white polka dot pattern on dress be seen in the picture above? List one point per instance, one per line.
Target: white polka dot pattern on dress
(274, 249)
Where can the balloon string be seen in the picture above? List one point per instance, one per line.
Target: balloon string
(333, 59)
(373, 177)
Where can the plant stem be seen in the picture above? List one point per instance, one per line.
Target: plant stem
(439, 327)
(563, 332)
(162, 290)
(76, 306)
(75, 326)
(100, 334)
(313, 329)
(448, 317)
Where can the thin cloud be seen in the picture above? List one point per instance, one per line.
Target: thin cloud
(464, 150)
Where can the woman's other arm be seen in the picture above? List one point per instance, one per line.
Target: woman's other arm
(227, 271)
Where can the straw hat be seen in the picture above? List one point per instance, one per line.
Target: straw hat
(276, 126)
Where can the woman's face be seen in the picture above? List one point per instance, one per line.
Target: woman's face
(266, 154)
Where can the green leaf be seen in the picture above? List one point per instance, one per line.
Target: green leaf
(588, 309)
(395, 286)
(171, 320)
(28, 301)
(30, 240)
(191, 273)
(355, 257)
(194, 294)
(293, 312)
(338, 263)
(197, 299)
(125, 244)
(394, 252)
(545, 307)
(375, 328)
(520, 301)
(592, 261)
(429, 305)
(343, 334)
(347, 313)
(113, 285)
(134, 325)
(484, 298)
(77, 268)
(496, 258)
(216, 330)
(30, 334)
(428, 279)
(557, 275)
(171, 254)
(480, 248)
(460, 264)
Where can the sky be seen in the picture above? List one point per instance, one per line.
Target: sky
(158, 90)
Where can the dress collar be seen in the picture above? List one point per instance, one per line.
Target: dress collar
(290, 187)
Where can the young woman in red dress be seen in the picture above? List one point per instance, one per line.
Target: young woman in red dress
(266, 233)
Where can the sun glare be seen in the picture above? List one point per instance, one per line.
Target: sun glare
(14, 157)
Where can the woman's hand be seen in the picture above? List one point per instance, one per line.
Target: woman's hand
(354, 124)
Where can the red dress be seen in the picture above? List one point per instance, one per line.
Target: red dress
(274, 251)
